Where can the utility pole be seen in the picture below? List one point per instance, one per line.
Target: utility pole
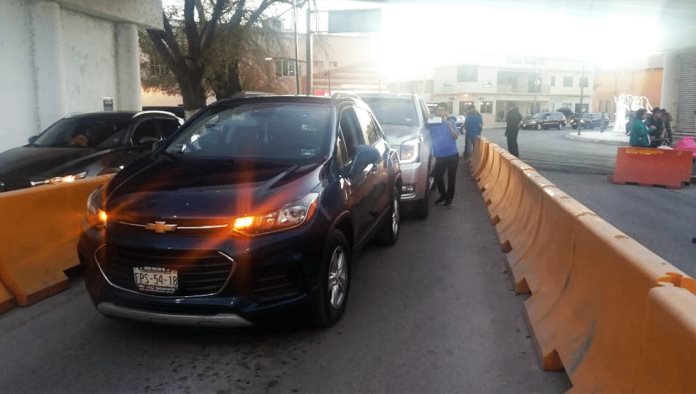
(582, 92)
(297, 48)
(309, 63)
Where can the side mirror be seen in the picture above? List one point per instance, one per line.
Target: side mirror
(364, 156)
(33, 139)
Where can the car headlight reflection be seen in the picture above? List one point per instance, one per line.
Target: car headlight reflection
(61, 179)
(96, 215)
(410, 151)
(289, 216)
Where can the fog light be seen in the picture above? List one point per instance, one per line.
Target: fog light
(408, 189)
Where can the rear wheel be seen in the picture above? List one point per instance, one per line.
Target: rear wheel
(389, 233)
(540, 127)
(329, 301)
(560, 126)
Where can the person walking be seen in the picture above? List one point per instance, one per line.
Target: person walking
(444, 141)
(639, 133)
(473, 124)
(512, 120)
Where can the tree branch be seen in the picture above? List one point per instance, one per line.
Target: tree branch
(157, 38)
(191, 30)
(207, 38)
(169, 38)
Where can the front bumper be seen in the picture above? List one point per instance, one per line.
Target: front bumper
(269, 273)
(415, 176)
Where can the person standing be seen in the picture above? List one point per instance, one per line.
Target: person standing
(512, 120)
(667, 119)
(639, 133)
(473, 124)
(444, 141)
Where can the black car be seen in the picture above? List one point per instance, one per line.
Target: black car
(544, 120)
(84, 145)
(257, 204)
(591, 120)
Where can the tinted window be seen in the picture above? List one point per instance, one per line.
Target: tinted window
(146, 132)
(84, 133)
(368, 126)
(351, 131)
(267, 130)
(168, 126)
(397, 111)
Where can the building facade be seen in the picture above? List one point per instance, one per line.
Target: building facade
(68, 56)
(495, 83)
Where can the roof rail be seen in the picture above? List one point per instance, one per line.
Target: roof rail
(340, 95)
(250, 93)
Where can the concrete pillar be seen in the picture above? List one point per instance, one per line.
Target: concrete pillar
(670, 82)
(49, 69)
(127, 68)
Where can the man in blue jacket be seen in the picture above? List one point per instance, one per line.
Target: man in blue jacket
(444, 140)
(473, 124)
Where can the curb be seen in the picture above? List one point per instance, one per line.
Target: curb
(575, 137)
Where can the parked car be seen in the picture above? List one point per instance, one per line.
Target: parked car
(544, 120)
(257, 204)
(84, 145)
(403, 118)
(177, 110)
(459, 122)
(591, 120)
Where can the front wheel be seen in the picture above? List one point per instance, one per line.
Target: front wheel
(329, 301)
(540, 127)
(560, 126)
(389, 233)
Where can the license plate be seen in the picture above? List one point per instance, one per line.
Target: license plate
(156, 279)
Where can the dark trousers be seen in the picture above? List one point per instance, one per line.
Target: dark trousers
(512, 141)
(448, 163)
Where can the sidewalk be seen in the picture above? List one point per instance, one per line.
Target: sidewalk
(607, 137)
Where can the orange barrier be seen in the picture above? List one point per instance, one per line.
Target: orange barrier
(593, 322)
(486, 163)
(614, 315)
(652, 167)
(670, 341)
(39, 229)
(479, 156)
(7, 301)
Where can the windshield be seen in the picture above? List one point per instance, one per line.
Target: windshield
(270, 131)
(84, 133)
(393, 111)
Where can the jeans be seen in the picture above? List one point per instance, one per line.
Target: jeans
(449, 164)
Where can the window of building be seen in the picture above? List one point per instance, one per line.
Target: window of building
(467, 74)
(553, 80)
(464, 106)
(333, 64)
(318, 63)
(583, 82)
(486, 107)
(285, 68)
(568, 82)
(567, 105)
(158, 69)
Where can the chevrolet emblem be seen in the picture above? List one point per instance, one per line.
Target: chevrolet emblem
(161, 227)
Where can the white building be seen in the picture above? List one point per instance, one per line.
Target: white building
(494, 83)
(63, 56)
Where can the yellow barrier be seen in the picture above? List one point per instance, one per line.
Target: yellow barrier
(614, 315)
(479, 156)
(7, 301)
(39, 229)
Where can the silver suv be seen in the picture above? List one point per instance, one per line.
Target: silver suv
(403, 118)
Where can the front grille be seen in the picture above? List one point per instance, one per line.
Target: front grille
(199, 272)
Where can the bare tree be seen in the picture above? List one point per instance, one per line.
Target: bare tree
(206, 39)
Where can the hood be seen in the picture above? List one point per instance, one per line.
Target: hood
(397, 134)
(31, 163)
(163, 188)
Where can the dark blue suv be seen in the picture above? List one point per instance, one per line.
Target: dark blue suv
(254, 205)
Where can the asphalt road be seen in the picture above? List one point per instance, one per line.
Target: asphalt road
(433, 314)
(663, 220)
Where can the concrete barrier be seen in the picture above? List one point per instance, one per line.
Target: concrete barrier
(39, 229)
(614, 315)
(652, 167)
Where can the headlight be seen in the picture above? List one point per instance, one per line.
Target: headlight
(290, 216)
(96, 215)
(532, 122)
(582, 121)
(60, 179)
(410, 151)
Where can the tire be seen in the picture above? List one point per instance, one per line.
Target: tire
(540, 127)
(328, 303)
(560, 126)
(389, 233)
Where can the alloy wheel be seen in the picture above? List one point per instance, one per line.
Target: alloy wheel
(338, 278)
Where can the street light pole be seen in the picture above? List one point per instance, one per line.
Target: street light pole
(309, 50)
(297, 48)
(582, 93)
